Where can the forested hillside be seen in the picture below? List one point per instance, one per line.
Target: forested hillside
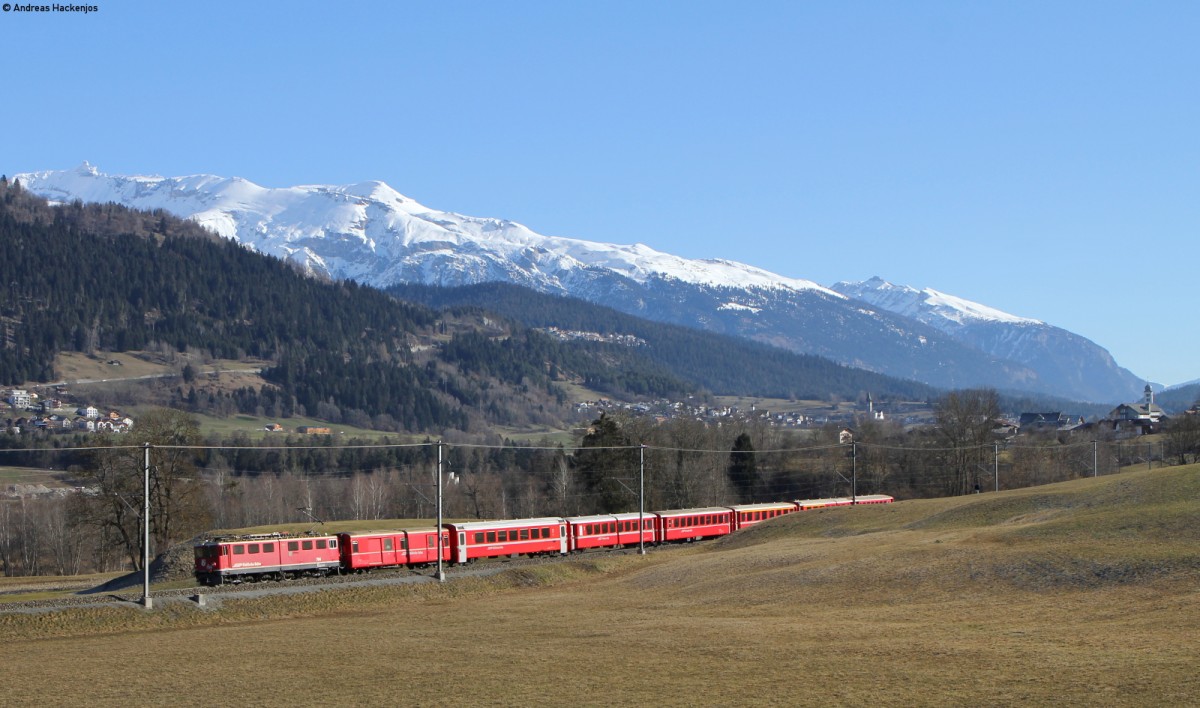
(718, 363)
(106, 278)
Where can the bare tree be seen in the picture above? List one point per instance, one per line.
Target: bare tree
(965, 421)
(1183, 437)
(178, 507)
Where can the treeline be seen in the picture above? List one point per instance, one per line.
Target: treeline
(720, 364)
(239, 483)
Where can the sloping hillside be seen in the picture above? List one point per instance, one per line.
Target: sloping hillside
(1082, 593)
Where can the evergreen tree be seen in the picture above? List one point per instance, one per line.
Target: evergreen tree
(607, 458)
(743, 470)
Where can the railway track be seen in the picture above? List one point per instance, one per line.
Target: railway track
(130, 595)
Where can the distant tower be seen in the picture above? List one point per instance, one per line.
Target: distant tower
(1149, 397)
(870, 405)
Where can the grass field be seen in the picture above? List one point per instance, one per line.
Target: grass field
(1083, 593)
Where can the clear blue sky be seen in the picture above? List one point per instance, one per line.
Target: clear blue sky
(1042, 158)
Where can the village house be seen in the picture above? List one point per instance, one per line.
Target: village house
(1040, 422)
(1141, 418)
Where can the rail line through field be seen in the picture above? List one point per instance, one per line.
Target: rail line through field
(212, 596)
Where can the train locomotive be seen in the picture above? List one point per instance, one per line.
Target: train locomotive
(277, 556)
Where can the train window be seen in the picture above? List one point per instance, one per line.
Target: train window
(387, 545)
(306, 545)
(268, 548)
(546, 533)
(293, 545)
(431, 540)
(491, 536)
(354, 546)
(478, 537)
(333, 543)
(322, 545)
(239, 550)
(502, 536)
(253, 548)
(524, 534)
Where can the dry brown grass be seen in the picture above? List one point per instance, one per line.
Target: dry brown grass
(1059, 595)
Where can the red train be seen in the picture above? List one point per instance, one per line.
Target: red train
(277, 557)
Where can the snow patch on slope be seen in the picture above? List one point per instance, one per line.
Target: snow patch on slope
(934, 308)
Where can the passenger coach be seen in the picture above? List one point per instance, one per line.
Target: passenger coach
(364, 551)
(610, 530)
(750, 514)
(492, 539)
(693, 524)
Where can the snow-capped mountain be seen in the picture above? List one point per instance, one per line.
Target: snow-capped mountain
(1067, 364)
(372, 234)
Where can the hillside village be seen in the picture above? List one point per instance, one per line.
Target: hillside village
(30, 412)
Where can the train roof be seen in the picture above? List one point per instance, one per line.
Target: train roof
(252, 537)
(764, 506)
(689, 512)
(395, 532)
(592, 518)
(504, 524)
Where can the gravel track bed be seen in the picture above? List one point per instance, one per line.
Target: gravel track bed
(130, 591)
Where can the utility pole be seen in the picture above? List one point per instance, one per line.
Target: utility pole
(146, 601)
(1095, 458)
(641, 500)
(996, 463)
(441, 574)
(854, 471)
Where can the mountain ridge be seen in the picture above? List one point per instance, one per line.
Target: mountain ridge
(370, 233)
